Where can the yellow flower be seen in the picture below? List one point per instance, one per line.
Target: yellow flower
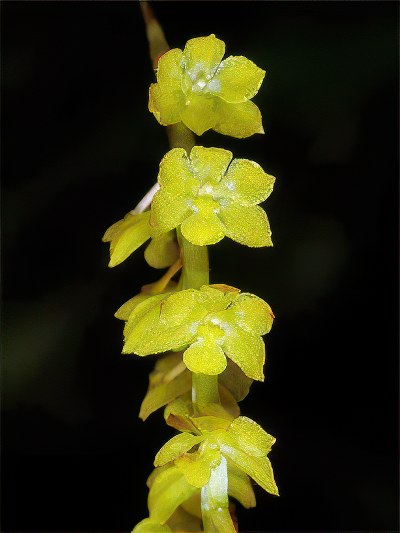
(209, 324)
(211, 196)
(127, 235)
(199, 89)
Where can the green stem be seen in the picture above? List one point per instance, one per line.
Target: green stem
(195, 273)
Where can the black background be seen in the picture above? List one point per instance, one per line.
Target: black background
(80, 149)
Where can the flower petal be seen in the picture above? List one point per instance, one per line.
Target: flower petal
(162, 251)
(246, 182)
(239, 79)
(238, 120)
(167, 492)
(196, 467)
(126, 236)
(149, 526)
(200, 114)
(169, 70)
(176, 174)
(149, 336)
(126, 309)
(166, 106)
(240, 487)
(250, 437)
(205, 358)
(246, 225)
(247, 351)
(168, 211)
(178, 445)
(258, 468)
(203, 55)
(235, 381)
(183, 520)
(165, 393)
(203, 229)
(209, 164)
(252, 314)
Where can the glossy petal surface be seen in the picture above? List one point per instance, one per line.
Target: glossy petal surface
(252, 314)
(166, 106)
(250, 437)
(209, 164)
(167, 492)
(178, 445)
(175, 173)
(168, 211)
(247, 225)
(239, 79)
(258, 468)
(203, 229)
(238, 120)
(247, 183)
(126, 236)
(205, 357)
(203, 55)
(199, 114)
(169, 70)
(196, 467)
(247, 351)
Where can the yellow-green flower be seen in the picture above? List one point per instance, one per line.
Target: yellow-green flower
(199, 89)
(209, 196)
(127, 235)
(217, 456)
(209, 324)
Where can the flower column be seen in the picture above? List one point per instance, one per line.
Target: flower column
(212, 333)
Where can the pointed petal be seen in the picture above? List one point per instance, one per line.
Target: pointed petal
(126, 236)
(203, 55)
(203, 229)
(247, 351)
(250, 437)
(258, 468)
(205, 358)
(126, 309)
(165, 393)
(209, 164)
(238, 120)
(178, 445)
(168, 211)
(167, 492)
(235, 381)
(246, 182)
(183, 521)
(246, 225)
(240, 487)
(237, 79)
(199, 113)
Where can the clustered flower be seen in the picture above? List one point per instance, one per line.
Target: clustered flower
(204, 92)
(215, 330)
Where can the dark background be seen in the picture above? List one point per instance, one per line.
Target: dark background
(80, 149)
